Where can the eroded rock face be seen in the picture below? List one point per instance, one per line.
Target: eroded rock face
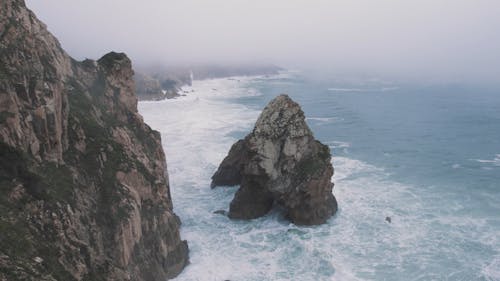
(85, 193)
(280, 161)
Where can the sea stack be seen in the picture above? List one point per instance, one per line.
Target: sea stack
(280, 161)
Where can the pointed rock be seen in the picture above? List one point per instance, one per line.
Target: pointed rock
(280, 161)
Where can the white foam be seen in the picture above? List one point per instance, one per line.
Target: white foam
(357, 244)
(194, 128)
(495, 161)
(195, 132)
(492, 271)
(322, 120)
(338, 144)
(335, 146)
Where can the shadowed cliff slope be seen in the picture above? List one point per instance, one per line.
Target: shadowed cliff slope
(83, 181)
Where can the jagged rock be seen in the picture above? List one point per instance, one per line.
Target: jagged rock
(280, 161)
(85, 194)
(149, 88)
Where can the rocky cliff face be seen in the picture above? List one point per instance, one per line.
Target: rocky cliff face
(83, 182)
(280, 161)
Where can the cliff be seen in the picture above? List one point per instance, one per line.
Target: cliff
(156, 83)
(280, 162)
(85, 192)
(157, 88)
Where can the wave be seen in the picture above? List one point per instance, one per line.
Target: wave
(337, 144)
(432, 235)
(384, 89)
(322, 120)
(495, 161)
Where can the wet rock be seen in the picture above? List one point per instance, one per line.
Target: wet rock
(280, 162)
(221, 212)
(229, 173)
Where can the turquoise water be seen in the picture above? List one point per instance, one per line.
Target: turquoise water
(427, 156)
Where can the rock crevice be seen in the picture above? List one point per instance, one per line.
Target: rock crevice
(280, 161)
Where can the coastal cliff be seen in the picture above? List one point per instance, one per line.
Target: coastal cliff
(280, 162)
(83, 180)
(157, 83)
(157, 87)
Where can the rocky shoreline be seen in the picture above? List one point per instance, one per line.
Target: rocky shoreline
(166, 82)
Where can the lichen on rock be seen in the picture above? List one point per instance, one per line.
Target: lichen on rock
(280, 162)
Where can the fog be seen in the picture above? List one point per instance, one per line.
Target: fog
(438, 39)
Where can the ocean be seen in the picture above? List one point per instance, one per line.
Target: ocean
(425, 155)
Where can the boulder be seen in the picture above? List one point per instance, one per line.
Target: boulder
(280, 162)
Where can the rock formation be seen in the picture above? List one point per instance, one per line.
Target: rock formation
(165, 81)
(149, 88)
(84, 189)
(280, 161)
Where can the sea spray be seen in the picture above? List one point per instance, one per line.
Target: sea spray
(432, 235)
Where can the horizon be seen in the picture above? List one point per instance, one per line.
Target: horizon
(429, 40)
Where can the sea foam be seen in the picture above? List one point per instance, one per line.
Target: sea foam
(357, 244)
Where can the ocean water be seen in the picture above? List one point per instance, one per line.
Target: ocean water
(428, 156)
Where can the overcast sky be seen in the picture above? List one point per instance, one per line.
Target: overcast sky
(450, 39)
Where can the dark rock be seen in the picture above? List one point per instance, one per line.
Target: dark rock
(280, 161)
(251, 201)
(388, 219)
(228, 173)
(221, 212)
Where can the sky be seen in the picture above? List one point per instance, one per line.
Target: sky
(439, 39)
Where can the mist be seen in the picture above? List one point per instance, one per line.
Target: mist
(429, 39)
